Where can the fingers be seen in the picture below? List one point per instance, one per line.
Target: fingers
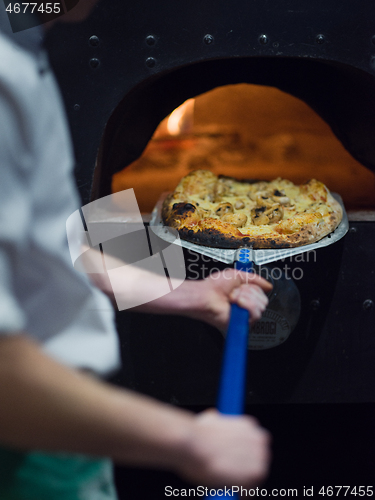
(237, 277)
(252, 298)
(252, 278)
(228, 450)
(231, 286)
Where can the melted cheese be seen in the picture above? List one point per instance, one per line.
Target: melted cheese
(308, 203)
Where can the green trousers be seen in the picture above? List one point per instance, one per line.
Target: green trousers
(58, 476)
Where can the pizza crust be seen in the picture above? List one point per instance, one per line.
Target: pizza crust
(202, 209)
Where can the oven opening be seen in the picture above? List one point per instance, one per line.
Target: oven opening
(246, 131)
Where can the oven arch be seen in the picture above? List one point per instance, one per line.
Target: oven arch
(342, 95)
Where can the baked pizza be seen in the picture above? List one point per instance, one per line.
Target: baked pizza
(224, 212)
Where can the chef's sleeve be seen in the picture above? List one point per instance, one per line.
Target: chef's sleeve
(16, 159)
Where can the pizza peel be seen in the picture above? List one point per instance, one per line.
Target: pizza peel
(231, 394)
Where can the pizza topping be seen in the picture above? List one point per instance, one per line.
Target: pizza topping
(238, 220)
(239, 204)
(319, 208)
(260, 220)
(295, 223)
(280, 197)
(264, 215)
(222, 212)
(275, 214)
(255, 196)
(261, 185)
(259, 210)
(221, 189)
(224, 209)
(265, 201)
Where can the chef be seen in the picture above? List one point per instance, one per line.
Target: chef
(61, 424)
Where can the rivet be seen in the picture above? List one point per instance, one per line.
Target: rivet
(94, 63)
(315, 305)
(275, 44)
(208, 39)
(150, 40)
(353, 230)
(368, 305)
(76, 107)
(94, 41)
(320, 39)
(263, 39)
(150, 62)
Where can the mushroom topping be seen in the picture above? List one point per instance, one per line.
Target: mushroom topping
(238, 220)
(261, 219)
(203, 212)
(224, 209)
(264, 200)
(255, 195)
(220, 190)
(283, 200)
(258, 217)
(280, 197)
(239, 204)
(264, 215)
(276, 215)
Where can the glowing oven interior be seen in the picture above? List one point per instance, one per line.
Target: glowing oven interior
(248, 132)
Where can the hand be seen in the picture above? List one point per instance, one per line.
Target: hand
(226, 451)
(220, 289)
(208, 300)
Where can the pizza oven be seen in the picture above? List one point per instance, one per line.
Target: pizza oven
(254, 90)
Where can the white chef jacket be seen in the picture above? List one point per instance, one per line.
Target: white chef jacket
(40, 292)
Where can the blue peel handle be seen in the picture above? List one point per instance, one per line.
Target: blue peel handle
(233, 371)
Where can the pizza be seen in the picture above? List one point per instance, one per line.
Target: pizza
(223, 212)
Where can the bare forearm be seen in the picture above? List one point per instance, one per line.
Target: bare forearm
(48, 406)
(208, 299)
(184, 300)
